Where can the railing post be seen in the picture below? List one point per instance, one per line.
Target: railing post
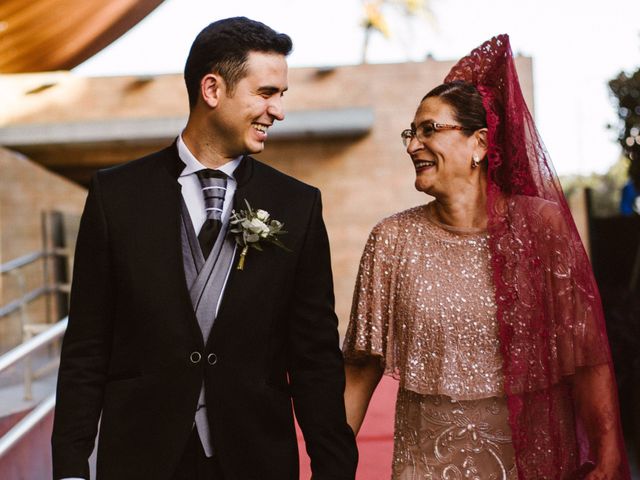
(24, 321)
(28, 372)
(46, 250)
(24, 333)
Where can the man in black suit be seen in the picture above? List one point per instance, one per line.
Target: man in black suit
(191, 363)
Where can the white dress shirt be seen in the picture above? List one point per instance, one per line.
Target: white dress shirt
(192, 191)
(193, 198)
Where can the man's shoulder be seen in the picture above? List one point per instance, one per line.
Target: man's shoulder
(140, 166)
(267, 174)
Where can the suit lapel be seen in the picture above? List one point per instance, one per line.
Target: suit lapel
(166, 216)
(247, 187)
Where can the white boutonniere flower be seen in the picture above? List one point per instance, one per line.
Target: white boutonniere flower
(251, 228)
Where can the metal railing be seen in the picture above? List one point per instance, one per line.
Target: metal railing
(21, 261)
(56, 265)
(12, 267)
(23, 351)
(28, 328)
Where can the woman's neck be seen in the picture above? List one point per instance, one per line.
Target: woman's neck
(466, 208)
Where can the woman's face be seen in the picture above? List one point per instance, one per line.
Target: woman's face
(443, 159)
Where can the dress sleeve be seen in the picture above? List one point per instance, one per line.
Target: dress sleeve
(370, 330)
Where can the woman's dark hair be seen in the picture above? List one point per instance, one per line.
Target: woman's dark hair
(466, 102)
(223, 47)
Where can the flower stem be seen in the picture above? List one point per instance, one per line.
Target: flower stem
(243, 254)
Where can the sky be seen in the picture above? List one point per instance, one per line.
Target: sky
(576, 46)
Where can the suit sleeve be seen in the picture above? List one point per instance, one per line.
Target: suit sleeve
(85, 349)
(315, 362)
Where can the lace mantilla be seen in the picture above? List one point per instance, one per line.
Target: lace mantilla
(551, 326)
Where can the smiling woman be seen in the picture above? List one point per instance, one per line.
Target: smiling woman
(441, 149)
(482, 303)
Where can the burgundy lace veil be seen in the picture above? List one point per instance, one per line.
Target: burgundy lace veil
(557, 365)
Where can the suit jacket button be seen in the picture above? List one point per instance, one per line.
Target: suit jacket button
(212, 358)
(195, 357)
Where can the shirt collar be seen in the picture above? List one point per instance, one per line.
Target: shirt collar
(192, 165)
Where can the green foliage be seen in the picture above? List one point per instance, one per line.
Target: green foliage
(625, 89)
(605, 189)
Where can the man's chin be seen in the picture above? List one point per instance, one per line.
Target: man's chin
(255, 147)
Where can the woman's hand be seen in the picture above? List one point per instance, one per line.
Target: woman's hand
(608, 466)
(603, 473)
(594, 390)
(362, 378)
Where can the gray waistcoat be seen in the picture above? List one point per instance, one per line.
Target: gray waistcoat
(206, 281)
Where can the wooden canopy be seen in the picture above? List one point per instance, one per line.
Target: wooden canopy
(44, 35)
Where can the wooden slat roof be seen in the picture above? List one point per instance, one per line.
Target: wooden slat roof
(45, 35)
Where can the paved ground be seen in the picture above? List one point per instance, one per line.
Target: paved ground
(375, 441)
(12, 390)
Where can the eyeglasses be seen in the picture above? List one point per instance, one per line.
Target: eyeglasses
(425, 130)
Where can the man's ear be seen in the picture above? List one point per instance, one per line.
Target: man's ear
(211, 87)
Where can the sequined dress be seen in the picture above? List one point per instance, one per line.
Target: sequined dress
(424, 303)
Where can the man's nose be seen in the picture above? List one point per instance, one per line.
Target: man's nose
(276, 109)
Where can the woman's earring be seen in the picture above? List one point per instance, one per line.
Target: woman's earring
(475, 161)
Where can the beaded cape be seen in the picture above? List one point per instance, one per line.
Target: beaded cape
(424, 302)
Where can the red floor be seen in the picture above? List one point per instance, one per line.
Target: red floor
(375, 440)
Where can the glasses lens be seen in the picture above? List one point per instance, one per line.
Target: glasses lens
(425, 130)
(406, 136)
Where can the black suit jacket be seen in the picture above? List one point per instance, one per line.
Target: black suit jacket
(132, 330)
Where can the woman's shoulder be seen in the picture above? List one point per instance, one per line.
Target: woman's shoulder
(544, 216)
(547, 210)
(398, 222)
(531, 202)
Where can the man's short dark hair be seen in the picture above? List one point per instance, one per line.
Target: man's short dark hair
(223, 48)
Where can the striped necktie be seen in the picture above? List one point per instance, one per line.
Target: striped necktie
(214, 187)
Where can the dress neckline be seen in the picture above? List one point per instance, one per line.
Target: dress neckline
(450, 228)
